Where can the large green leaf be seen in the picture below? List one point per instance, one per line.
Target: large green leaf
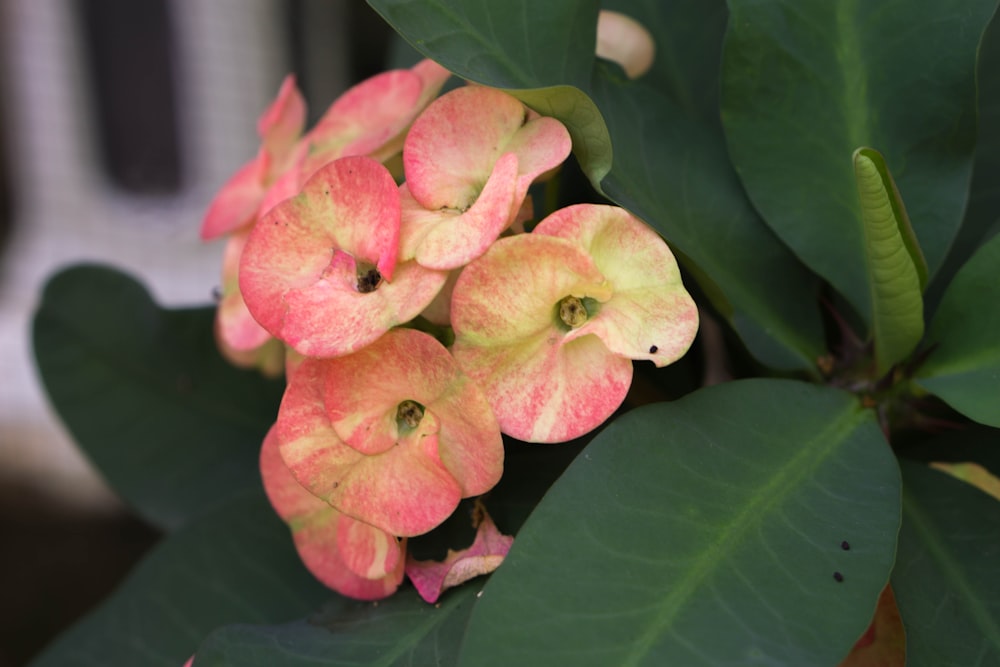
(805, 83)
(170, 425)
(669, 164)
(233, 564)
(895, 263)
(703, 532)
(945, 578)
(964, 364)
(402, 630)
(983, 212)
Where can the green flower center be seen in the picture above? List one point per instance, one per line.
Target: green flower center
(572, 312)
(408, 414)
(368, 277)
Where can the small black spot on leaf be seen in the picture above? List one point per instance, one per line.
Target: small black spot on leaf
(838, 577)
(845, 545)
(653, 349)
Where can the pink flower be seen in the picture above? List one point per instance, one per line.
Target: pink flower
(319, 271)
(350, 556)
(469, 159)
(370, 118)
(393, 435)
(548, 322)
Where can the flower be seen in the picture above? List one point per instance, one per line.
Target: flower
(353, 558)
(469, 159)
(319, 271)
(368, 119)
(548, 322)
(393, 435)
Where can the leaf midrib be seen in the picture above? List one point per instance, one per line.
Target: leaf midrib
(782, 485)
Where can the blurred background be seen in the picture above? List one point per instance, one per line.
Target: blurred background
(118, 121)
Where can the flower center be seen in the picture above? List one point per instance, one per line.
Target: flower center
(368, 278)
(409, 413)
(572, 312)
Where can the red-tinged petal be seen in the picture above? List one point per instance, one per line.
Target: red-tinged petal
(650, 315)
(547, 389)
(317, 531)
(439, 310)
(367, 551)
(331, 318)
(541, 145)
(298, 273)
(543, 383)
(487, 552)
(414, 483)
(447, 239)
(366, 117)
(450, 150)
(234, 326)
(310, 446)
(235, 205)
(281, 123)
(511, 292)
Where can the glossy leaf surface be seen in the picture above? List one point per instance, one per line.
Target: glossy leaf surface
(964, 364)
(805, 83)
(402, 630)
(234, 564)
(945, 578)
(147, 396)
(686, 533)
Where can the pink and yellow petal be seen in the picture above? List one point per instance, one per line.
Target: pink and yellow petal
(447, 238)
(512, 292)
(432, 578)
(281, 124)
(450, 150)
(545, 388)
(354, 559)
(331, 317)
(235, 205)
(651, 315)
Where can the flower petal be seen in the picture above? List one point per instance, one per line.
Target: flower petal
(299, 272)
(650, 315)
(544, 384)
(432, 578)
(446, 238)
(236, 202)
(332, 546)
(281, 123)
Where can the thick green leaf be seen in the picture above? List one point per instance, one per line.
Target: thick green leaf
(233, 564)
(703, 532)
(982, 216)
(964, 365)
(896, 269)
(945, 576)
(402, 630)
(670, 164)
(805, 83)
(170, 425)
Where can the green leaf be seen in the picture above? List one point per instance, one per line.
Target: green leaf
(669, 163)
(896, 269)
(983, 212)
(945, 578)
(805, 83)
(963, 368)
(703, 532)
(233, 564)
(402, 630)
(171, 425)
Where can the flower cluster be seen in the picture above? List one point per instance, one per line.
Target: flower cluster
(334, 260)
